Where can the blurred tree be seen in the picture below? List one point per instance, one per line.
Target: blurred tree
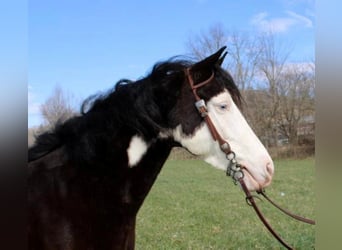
(57, 108)
(243, 52)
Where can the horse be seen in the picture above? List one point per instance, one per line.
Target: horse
(89, 175)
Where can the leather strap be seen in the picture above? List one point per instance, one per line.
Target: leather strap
(251, 200)
(224, 145)
(297, 217)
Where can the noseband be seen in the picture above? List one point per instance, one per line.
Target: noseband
(234, 169)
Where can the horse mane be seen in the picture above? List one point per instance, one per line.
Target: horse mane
(129, 104)
(140, 92)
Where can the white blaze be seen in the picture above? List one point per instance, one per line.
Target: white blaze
(233, 128)
(136, 150)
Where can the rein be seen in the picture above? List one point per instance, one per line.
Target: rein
(234, 169)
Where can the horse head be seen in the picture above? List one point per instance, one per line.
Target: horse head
(222, 100)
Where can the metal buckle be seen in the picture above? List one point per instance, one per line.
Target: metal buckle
(225, 146)
(201, 107)
(234, 169)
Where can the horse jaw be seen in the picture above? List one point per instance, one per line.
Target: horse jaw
(233, 127)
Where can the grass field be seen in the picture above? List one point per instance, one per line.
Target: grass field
(194, 206)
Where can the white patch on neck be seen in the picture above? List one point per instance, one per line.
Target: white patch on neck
(136, 150)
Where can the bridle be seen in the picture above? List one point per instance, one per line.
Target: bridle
(202, 109)
(234, 169)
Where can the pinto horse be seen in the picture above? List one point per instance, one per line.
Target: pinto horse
(89, 176)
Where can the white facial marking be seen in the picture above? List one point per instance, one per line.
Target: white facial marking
(194, 143)
(233, 128)
(136, 150)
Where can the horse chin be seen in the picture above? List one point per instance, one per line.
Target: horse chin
(251, 183)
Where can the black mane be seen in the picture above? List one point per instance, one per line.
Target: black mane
(130, 104)
(141, 107)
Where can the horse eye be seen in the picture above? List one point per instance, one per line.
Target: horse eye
(223, 106)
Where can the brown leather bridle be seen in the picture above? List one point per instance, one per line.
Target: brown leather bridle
(202, 109)
(234, 169)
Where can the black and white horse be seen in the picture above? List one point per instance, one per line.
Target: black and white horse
(90, 175)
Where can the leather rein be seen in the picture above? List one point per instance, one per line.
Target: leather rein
(234, 169)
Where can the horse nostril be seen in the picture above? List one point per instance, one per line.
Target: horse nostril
(270, 168)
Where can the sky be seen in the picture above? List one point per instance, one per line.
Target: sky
(86, 46)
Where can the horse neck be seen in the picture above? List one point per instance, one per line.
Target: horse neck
(134, 189)
(143, 175)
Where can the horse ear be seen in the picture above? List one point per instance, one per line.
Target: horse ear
(210, 61)
(221, 59)
(203, 69)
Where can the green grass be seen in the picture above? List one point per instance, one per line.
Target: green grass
(194, 206)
